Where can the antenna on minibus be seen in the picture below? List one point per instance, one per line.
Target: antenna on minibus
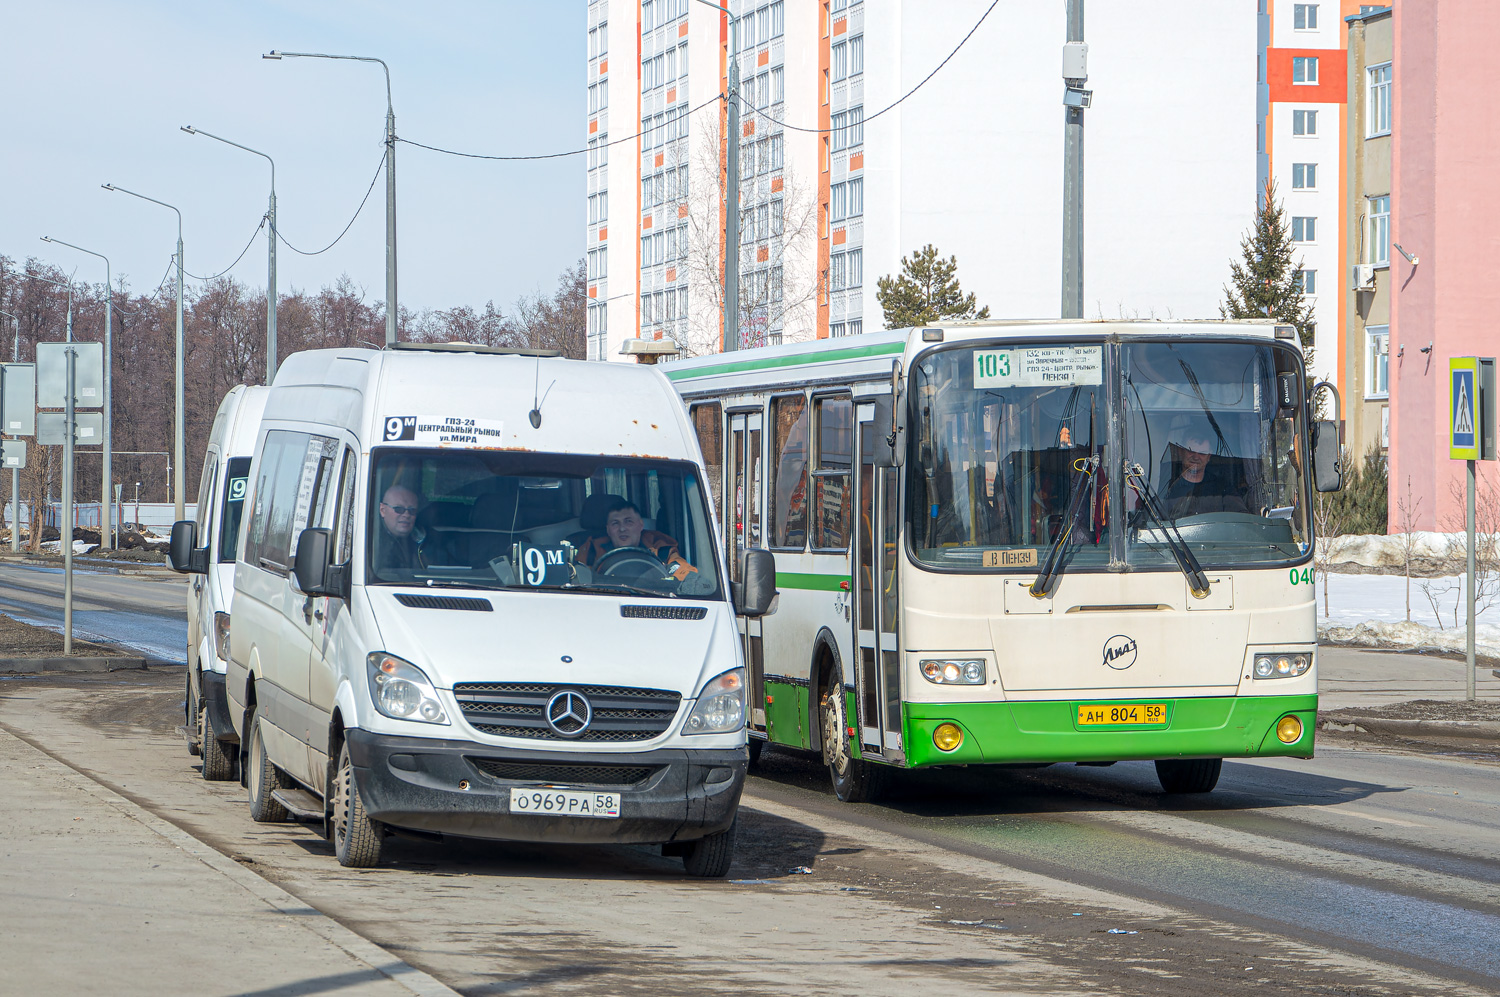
(536, 403)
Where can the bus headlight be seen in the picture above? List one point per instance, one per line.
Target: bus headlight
(953, 671)
(1282, 664)
(402, 691)
(721, 705)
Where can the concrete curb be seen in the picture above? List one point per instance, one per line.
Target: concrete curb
(356, 946)
(50, 666)
(1486, 730)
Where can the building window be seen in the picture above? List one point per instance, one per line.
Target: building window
(854, 327)
(1304, 176)
(838, 198)
(778, 222)
(856, 197)
(1304, 229)
(778, 19)
(856, 267)
(839, 63)
(838, 272)
(1305, 69)
(1307, 281)
(1377, 361)
(1378, 100)
(1380, 230)
(1305, 16)
(603, 149)
(778, 85)
(1304, 122)
(856, 55)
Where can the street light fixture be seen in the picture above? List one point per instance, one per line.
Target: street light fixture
(391, 311)
(178, 431)
(731, 328)
(270, 248)
(105, 527)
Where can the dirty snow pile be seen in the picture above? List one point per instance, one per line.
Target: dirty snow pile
(1371, 611)
(1390, 552)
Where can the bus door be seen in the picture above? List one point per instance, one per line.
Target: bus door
(743, 515)
(877, 669)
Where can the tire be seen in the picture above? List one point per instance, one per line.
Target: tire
(854, 780)
(192, 708)
(263, 778)
(756, 746)
(1188, 775)
(357, 840)
(219, 764)
(710, 857)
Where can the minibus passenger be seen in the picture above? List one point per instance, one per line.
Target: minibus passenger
(399, 549)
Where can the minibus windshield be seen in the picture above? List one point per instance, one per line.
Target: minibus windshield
(539, 521)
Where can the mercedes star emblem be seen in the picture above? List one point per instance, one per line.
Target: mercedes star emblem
(568, 713)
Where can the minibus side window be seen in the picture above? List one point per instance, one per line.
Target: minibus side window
(236, 480)
(269, 538)
(343, 542)
(205, 495)
(831, 490)
(788, 483)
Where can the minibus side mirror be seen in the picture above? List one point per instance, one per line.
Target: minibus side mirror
(310, 565)
(757, 592)
(187, 557)
(1328, 475)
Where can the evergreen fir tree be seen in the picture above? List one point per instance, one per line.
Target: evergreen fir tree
(1264, 282)
(925, 292)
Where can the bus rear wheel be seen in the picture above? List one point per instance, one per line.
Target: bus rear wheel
(854, 780)
(1188, 775)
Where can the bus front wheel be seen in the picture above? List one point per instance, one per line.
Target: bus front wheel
(1188, 775)
(854, 780)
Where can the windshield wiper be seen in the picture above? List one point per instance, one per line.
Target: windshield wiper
(1052, 565)
(1197, 580)
(615, 588)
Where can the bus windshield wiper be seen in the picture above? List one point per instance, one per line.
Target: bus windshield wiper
(1197, 580)
(1052, 565)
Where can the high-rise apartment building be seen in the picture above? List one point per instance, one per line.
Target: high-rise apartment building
(852, 157)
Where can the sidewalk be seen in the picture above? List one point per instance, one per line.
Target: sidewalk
(1351, 679)
(104, 897)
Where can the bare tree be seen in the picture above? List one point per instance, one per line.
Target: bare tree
(1328, 519)
(1408, 509)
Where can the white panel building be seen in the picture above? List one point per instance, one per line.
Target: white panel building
(836, 192)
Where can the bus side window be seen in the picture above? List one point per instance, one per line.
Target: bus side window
(788, 485)
(831, 489)
(708, 424)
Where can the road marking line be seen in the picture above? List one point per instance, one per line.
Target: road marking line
(1374, 817)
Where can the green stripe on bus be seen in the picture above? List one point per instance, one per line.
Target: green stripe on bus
(817, 583)
(794, 360)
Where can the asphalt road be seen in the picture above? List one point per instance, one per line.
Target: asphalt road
(1363, 871)
(144, 612)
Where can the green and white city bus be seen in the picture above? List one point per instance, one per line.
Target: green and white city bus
(1024, 542)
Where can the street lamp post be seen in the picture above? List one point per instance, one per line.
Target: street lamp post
(178, 432)
(106, 472)
(391, 310)
(271, 237)
(15, 472)
(731, 327)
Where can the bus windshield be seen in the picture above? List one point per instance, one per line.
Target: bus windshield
(1008, 440)
(539, 521)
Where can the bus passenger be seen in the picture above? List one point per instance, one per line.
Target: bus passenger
(623, 528)
(399, 545)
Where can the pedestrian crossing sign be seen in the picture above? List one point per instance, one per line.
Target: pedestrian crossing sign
(1463, 408)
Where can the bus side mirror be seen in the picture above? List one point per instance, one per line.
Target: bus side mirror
(890, 437)
(187, 557)
(1328, 475)
(310, 565)
(755, 595)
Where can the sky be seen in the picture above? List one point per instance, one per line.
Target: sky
(95, 93)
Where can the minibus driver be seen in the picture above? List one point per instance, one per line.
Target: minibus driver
(624, 527)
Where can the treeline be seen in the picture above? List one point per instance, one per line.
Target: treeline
(224, 343)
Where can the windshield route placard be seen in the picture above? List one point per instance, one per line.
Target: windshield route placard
(443, 430)
(1039, 367)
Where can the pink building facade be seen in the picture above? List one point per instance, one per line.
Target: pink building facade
(1446, 213)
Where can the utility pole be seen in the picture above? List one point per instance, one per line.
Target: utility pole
(391, 311)
(1075, 99)
(732, 199)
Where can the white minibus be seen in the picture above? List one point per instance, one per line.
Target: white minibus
(221, 498)
(480, 593)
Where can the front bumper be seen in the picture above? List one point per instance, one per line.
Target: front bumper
(413, 782)
(1040, 732)
(216, 700)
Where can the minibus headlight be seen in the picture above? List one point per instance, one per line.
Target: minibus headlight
(1282, 664)
(221, 636)
(721, 705)
(952, 671)
(402, 692)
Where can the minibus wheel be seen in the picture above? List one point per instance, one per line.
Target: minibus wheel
(1188, 775)
(854, 780)
(194, 708)
(263, 778)
(710, 857)
(218, 764)
(357, 839)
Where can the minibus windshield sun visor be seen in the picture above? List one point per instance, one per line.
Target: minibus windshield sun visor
(449, 518)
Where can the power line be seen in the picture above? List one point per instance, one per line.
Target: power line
(554, 155)
(236, 259)
(891, 106)
(378, 167)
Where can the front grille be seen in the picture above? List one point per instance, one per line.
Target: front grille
(444, 602)
(564, 774)
(517, 709)
(663, 612)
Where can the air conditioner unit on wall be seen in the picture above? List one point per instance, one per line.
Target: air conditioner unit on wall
(1364, 276)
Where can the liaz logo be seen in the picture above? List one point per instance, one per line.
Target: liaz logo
(1119, 652)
